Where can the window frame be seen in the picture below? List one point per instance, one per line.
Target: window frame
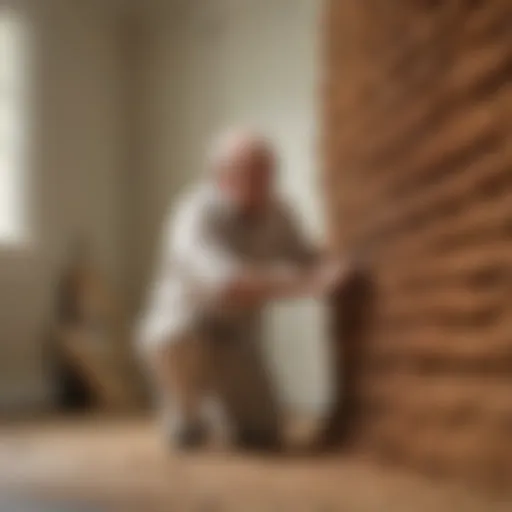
(21, 243)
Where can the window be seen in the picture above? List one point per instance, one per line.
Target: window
(13, 129)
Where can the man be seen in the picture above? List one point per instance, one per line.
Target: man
(229, 249)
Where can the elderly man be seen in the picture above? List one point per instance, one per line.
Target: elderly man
(230, 247)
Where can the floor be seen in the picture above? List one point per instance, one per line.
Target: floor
(103, 465)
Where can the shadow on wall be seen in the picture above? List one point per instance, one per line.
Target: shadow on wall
(352, 312)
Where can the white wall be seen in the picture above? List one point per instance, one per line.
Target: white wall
(74, 180)
(208, 65)
(123, 118)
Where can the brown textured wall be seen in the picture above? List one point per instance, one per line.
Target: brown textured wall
(418, 159)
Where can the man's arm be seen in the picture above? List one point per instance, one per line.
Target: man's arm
(222, 279)
(300, 270)
(256, 287)
(296, 247)
(304, 270)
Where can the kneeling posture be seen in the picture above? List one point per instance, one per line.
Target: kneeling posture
(230, 247)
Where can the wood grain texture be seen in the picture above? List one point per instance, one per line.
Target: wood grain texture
(417, 152)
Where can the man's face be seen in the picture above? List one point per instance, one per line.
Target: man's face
(247, 178)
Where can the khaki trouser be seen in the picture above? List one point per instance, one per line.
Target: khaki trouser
(191, 371)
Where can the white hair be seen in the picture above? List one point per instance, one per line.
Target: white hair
(230, 144)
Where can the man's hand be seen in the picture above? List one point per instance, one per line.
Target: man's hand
(329, 275)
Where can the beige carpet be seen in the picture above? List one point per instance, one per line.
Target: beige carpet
(119, 465)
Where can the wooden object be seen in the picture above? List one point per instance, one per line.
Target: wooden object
(417, 145)
(92, 339)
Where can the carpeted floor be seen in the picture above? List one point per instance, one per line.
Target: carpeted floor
(98, 464)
